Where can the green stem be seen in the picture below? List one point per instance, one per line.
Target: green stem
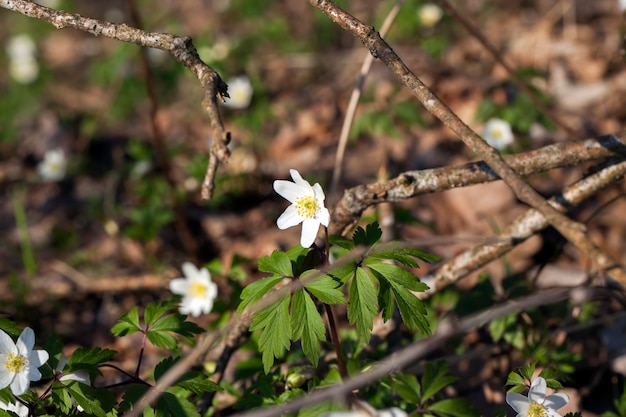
(28, 257)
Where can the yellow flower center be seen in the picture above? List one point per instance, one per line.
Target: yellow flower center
(536, 410)
(306, 206)
(198, 290)
(15, 363)
(497, 133)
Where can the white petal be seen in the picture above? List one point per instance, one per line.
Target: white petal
(179, 286)
(190, 270)
(80, 376)
(38, 358)
(20, 384)
(289, 218)
(289, 191)
(556, 401)
(310, 228)
(5, 376)
(33, 374)
(26, 341)
(297, 178)
(62, 363)
(517, 401)
(324, 216)
(392, 412)
(204, 275)
(537, 390)
(7, 345)
(319, 194)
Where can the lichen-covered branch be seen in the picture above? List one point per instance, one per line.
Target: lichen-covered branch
(413, 183)
(181, 48)
(524, 227)
(571, 230)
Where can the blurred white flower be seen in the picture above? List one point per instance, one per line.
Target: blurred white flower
(498, 133)
(197, 289)
(363, 409)
(429, 14)
(53, 166)
(307, 207)
(537, 404)
(18, 408)
(622, 5)
(218, 51)
(23, 65)
(19, 363)
(240, 92)
(53, 4)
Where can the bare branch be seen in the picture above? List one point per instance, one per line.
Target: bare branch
(571, 230)
(181, 48)
(413, 183)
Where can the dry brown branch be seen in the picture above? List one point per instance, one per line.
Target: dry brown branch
(413, 183)
(571, 230)
(523, 227)
(180, 48)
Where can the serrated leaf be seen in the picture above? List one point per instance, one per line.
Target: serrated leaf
(157, 309)
(396, 280)
(93, 401)
(362, 304)
(515, 379)
(528, 371)
(88, 360)
(344, 272)
(405, 256)
(169, 405)
(407, 387)
(162, 339)
(256, 290)
(274, 323)
(277, 263)
(454, 407)
(197, 383)
(368, 236)
(127, 324)
(435, 379)
(326, 289)
(341, 241)
(307, 324)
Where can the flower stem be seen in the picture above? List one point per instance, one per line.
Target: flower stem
(332, 324)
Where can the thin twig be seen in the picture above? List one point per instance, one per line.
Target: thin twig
(354, 101)
(571, 230)
(474, 31)
(181, 48)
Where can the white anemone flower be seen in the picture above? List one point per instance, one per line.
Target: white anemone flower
(498, 133)
(240, 92)
(53, 165)
(537, 404)
(23, 65)
(430, 14)
(307, 207)
(197, 289)
(18, 408)
(19, 363)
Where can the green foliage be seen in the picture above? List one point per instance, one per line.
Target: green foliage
(374, 285)
(620, 406)
(427, 393)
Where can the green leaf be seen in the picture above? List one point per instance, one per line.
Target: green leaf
(405, 256)
(127, 324)
(169, 405)
(306, 323)
(197, 383)
(341, 241)
(159, 333)
(407, 387)
(274, 324)
(93, 401)
(362, 304)
(326, 289)
(515, 379)
(156, 310)
(396, 280)
(278, 263)
(528, 371)
(344, 272)
(435, 379)
(88, 360)
(161, 339)
(255, 291)
(454, 407)
(368, 236)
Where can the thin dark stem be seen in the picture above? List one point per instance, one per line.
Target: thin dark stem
(143, 347)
